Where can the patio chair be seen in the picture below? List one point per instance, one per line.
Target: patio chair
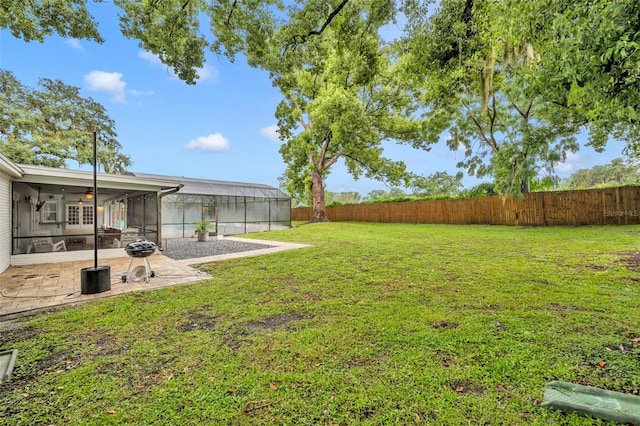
(46, 244)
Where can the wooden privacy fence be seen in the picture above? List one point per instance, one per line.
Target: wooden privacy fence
(610, 206)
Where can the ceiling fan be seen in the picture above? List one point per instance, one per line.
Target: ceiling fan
(88, 194)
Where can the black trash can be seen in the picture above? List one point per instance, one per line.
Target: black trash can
(95, 280)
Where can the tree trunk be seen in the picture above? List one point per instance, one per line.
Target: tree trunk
(317, 198)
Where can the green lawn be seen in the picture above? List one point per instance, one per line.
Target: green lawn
(375, 324)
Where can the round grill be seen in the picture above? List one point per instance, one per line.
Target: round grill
(141, 248)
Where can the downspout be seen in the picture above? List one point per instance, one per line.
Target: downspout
(159, 207)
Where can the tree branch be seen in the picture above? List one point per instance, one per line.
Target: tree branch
(492, 117)
(331, 161)
(233, 7)
(325, 147)
(299, 39)
(479, 126)
(524, 114)
(306, 126)
(370, 170)
(529, 108)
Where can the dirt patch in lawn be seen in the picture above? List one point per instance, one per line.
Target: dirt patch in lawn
(465, 386)
(12, 332)
(23, 374)
(597, 268)
(235, 337)
(233, 342)
(444, 324)
(199, 321)
(444, 358)
(275, 321)
(631, 260)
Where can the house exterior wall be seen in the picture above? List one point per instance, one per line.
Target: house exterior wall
(5, 220)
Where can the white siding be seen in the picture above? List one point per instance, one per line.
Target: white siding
(5, 221)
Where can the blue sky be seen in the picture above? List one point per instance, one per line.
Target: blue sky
(222, 128)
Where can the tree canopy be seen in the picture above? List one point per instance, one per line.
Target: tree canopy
(478, 83)
(512, 82)
(34, 20)
(592, 49)
(380, 195)
(343, 97)
(52, 124)
(348, 197)
(437, 184)
(616, 172)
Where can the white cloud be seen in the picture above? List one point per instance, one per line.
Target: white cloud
(572, 163)
(564, 168)
(150, 57)
(207, 72)
(74, 43)
(211, 143)
(573, 157)
(110, 82)
(271, 132)
(139, 93)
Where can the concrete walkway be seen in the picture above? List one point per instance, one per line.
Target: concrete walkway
(34, 287)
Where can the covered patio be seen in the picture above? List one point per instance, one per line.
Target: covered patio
(53, 212)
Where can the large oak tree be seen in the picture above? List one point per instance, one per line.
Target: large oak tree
(52, 124)
(516, 82)
(344, 96)
(478, 77)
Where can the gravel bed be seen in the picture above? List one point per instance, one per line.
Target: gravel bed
(190, 248)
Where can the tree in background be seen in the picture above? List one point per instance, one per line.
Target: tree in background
(53, 124)
(343, 94)
(544, 183)
(437, 184)
(483, 189)
(379, 195)
(617, 172)
(477, 76)
(348, 197)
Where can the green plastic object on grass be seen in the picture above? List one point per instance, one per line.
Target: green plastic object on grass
(598, 403)
(7, 361)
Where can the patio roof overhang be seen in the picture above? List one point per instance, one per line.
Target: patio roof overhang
(65, 177)
(8, 167)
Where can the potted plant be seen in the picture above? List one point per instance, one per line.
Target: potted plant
(202, 229)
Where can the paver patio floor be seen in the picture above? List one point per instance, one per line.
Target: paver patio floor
(34, 287)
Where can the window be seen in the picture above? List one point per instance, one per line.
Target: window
(49, 212)
(79, 216)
